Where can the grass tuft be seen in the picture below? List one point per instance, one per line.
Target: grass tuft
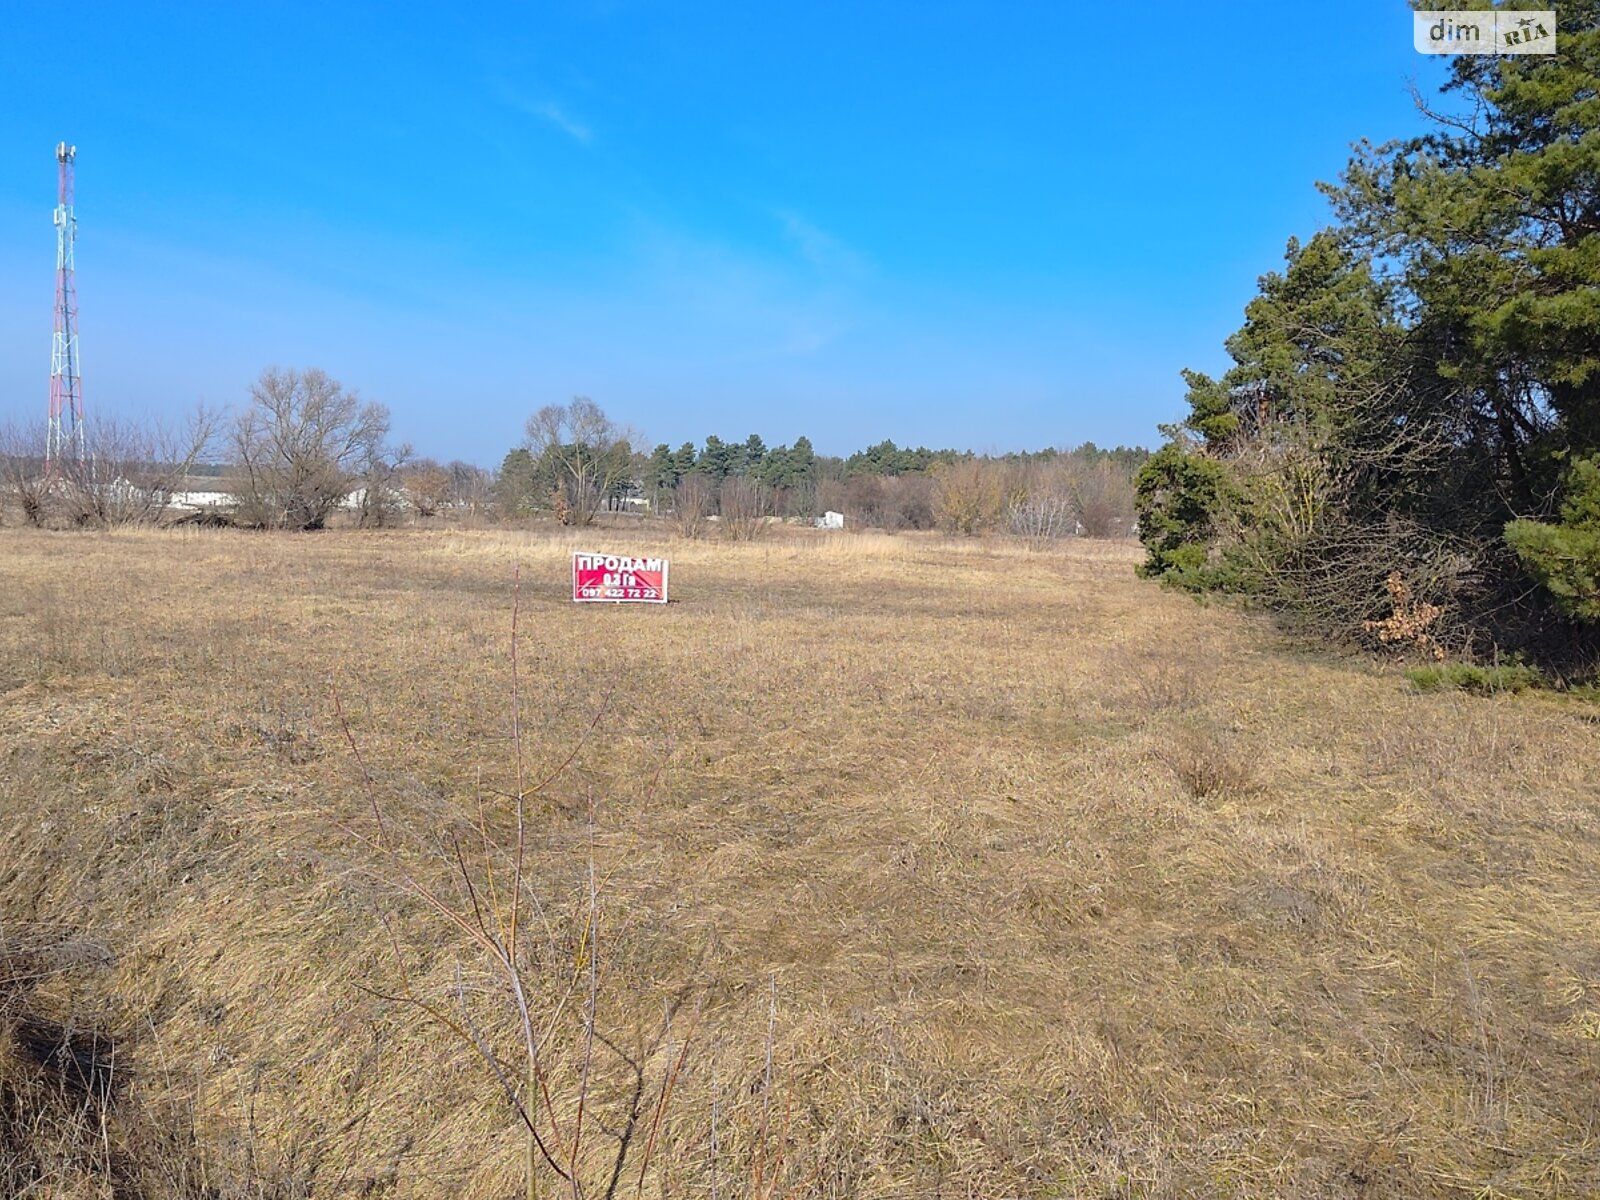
(1476, 680)
(1209, 763)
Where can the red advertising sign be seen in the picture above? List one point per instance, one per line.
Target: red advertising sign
(618, 579)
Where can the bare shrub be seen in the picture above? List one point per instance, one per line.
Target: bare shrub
(914, 501)
(866, 501)
(1042, 518)
(381, 498)
(1160, 682)
(22, 473)
(831, 497)
(1207, 763)
(967, 496)
(1411, 622)
(303, 445)
(427, 486)
(1392, 583)
(691, 505)
(590, 1105)
(743, 505)
(129, 471)
(1102, 498)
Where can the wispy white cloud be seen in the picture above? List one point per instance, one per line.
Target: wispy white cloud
(548, 111)
(562, 120)
(826, 253)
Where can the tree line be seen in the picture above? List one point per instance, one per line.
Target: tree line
(1406, 448)
(305, 448)
(575, 462)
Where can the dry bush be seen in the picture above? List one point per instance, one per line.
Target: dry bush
(595, 1090)
(888, 502)
(428, 487)
(1040, 502)
(1161, 682)
(126, 475)
(865, 501)
(1409, 625)
(1070, 497)
(22, 474)
(968, 496)
(1342, 582)
(1042, 518)
(914, 501)
(590, 1102)
(831, 497)
(1102, 498)
(906, 502)
(743, 506)
(1293, 536)
(1207, 762)
(691, 505)
(129, 471)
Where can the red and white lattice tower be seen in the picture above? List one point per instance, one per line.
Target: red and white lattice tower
(64, 437)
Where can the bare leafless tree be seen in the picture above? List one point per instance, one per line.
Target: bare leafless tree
(22, 476)
(380, 493)
(427, 487)
(584, 451)
(303, 445)
(743, 505)
(470, 488)
(127, 473)
(129, 470)
(691, 504)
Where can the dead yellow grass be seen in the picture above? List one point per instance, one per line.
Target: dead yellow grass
(935, 796)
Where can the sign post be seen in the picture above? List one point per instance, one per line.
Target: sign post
(618, 579)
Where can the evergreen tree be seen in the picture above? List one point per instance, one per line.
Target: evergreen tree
(1176, 496)
(1419, 390)
(683, 461)
(718, 459)
(802, 460)
(516, 487)
(1564, 555)
(660, 473)
(754, 452)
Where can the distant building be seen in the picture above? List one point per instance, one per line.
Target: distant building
(202, 499)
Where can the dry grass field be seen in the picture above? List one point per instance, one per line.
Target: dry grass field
(959, 870)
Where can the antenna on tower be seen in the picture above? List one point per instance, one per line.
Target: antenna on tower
(64, 437)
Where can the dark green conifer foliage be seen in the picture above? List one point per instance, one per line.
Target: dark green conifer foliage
(1419, 389)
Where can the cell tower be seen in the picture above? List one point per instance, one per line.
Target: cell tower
(64, 438)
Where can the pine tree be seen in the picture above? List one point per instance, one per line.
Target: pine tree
(717, 459)
(754, 452)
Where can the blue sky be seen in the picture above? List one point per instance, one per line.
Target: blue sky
(971, 224)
